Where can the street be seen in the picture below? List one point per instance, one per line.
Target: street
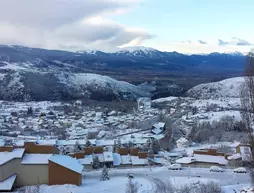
(159, 177)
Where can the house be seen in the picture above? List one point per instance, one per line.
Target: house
(126, 160)
(204, 158)
(9, 163)
(33, 170)
(136, 161)
(18, 168)
(60, 166)
(32, 147)
(108, 159)
(159, 125)
(245, 151)
(235, 160)
(87, 161)
(117, 159)
(155, 161)
(157, 131)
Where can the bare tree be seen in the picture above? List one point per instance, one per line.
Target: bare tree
(247, 105)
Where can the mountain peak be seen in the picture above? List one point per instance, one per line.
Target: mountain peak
(137, 48)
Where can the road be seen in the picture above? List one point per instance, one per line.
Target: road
(160, 177)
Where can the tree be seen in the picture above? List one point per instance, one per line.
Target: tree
(77, 147)
(14, 114)
(131, 187)
(29, 111)
(155, 146)
(194, 110)
(61, 151)
(104, 174)
(88, 143)
(247, 106)
(96, 162)
(51, 113)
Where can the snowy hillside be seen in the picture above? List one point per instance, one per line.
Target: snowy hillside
(65, 86)
(94, 83)
(228, 88)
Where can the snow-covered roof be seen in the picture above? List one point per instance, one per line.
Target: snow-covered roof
(66, 142)
(105, 142)
(117, 159)
(157, 131)
(87, 160)
(8, 156)
(36, 159)
(18, 152)
(186, 160)
(21, 142)
(210, 159)
(159, 125)
(100, 156)
(108, 156)
(46, 142)
(7, 184)
(235, 156)
(126, 159)
(138, 141)
(92, 141)
(5, 157)
(245, 153)
(137, 161)
(159, 136)
(156, 160)
(67, 162)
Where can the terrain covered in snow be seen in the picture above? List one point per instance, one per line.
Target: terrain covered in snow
(18, 83)
(228, 88)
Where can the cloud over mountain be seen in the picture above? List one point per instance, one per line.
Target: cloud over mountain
(64, 24)
(234, 41)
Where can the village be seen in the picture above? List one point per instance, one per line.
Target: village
(40, 140)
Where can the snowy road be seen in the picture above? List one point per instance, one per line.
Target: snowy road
(159, 177)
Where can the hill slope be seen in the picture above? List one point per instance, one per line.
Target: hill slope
(228, 88)
(33, 85)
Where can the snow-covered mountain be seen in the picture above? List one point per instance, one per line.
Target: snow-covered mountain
(228, 88)
(138, 57)
(20, 84)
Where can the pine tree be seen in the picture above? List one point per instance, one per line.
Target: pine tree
(30, 111)
(155, 146)
(96, 162)
(77, 147)
(104, 174)
(150, 152)
(88, 143)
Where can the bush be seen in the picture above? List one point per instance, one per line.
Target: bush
(201, 187)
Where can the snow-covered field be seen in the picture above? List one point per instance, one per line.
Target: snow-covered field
(151, 180)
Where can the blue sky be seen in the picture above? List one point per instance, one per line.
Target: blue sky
(187, 26)
(173, 21)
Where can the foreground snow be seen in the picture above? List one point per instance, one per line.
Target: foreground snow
(114, 185)
(151, 180)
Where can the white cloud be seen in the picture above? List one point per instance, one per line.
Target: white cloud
(65, 24)
(207, 46)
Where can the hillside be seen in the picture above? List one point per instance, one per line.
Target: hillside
(228, 88)
(24, 85)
